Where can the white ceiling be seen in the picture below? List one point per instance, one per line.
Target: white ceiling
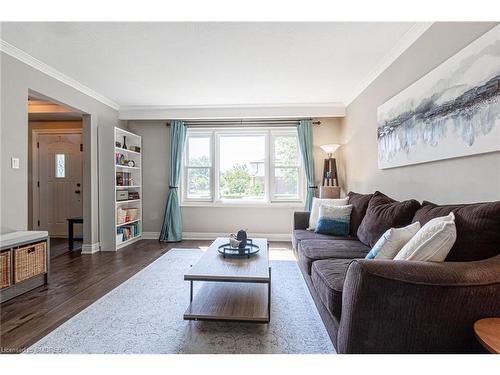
(216, 64)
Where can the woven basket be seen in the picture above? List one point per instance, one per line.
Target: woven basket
(30, 261)
(5, 269)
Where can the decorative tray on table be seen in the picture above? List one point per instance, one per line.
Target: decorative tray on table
(249, 250)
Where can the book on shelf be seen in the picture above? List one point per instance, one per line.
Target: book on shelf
(133, 195)
(124, 179)
(129, 231)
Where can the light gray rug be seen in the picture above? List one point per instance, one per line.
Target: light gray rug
(144, 315)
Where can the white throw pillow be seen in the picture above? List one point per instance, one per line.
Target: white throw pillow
(392, 241)
(432, 242)
(313, 218)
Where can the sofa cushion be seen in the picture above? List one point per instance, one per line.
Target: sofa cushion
(299, 235)
(359, 204)
(478, 233)
(328, 280)
(384, 213)
(312, 250)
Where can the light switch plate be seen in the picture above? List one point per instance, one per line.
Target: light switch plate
(15, 163)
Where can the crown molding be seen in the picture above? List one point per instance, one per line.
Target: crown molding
(402, 45)
(26, 58)
(227, 111)
(207, 112)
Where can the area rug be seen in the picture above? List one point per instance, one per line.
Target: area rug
(145, 315)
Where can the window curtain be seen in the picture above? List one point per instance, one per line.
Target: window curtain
(304, 129)
(171, 230)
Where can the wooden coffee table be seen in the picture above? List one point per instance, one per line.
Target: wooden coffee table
(237, 289)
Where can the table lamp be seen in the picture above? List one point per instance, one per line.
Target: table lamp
(330, 188)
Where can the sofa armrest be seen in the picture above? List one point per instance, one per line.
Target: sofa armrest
(301, 219)
(415, 307)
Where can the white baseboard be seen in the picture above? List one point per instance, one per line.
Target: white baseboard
(212, 236)
(150, 235)
(91, 249)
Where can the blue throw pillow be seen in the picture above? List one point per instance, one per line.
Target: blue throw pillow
(334, 220)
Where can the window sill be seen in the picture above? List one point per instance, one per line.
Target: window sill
(243, 205)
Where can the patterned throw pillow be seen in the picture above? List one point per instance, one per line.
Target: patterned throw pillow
(334, 220)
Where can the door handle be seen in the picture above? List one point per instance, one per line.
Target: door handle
(77, 191)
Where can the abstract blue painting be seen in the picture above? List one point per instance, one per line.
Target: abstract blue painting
(452, 111)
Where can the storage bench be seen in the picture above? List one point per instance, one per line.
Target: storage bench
(24, 262)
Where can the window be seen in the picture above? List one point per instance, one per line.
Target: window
(285, 167)
(199, 167)
(60, 166)
(242, 160)
(242, 166)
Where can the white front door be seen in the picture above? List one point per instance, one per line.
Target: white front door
(60, 177)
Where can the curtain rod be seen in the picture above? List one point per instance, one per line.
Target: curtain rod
(255, 122)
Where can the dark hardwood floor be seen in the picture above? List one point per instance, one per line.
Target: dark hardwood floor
(76, 281)
(60, 246)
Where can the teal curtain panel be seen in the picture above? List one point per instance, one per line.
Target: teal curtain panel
(171, 230)
(304, 129)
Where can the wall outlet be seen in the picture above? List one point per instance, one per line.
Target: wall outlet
(15, 163)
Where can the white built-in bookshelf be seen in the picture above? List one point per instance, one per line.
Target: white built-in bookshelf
(128, 187)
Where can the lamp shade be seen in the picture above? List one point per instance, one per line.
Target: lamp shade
(330, 148)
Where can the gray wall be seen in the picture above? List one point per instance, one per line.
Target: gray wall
(467, 179)
(17, 79)
(213, 220)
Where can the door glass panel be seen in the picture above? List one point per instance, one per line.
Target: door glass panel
(60, 166)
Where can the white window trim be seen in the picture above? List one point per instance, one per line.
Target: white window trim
(269, 165)
(272, 168)
(200, 134)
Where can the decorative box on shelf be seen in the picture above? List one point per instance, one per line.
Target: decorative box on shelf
(133, 214)
(121, 216)
(122, 195)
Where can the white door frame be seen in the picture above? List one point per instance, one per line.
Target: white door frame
(34, 166)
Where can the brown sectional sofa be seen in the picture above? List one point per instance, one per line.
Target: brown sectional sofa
(380, 306)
